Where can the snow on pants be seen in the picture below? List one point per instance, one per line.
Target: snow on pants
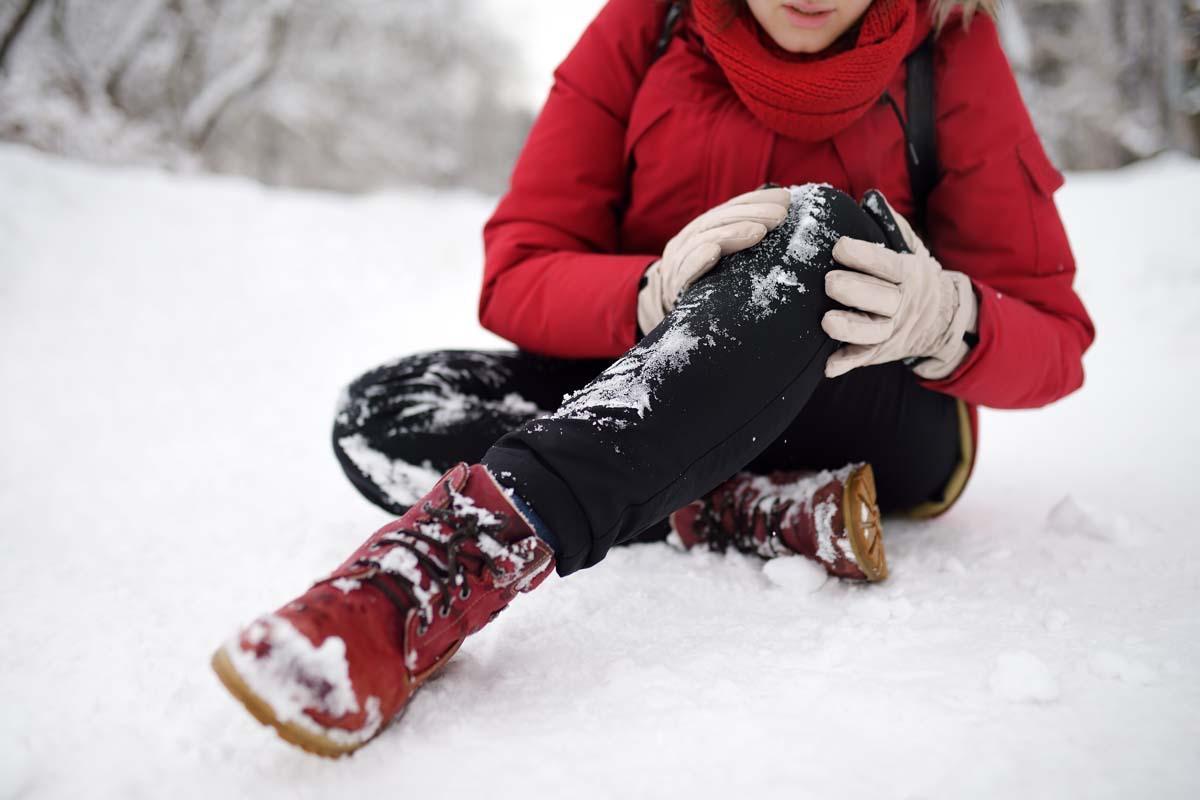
(732, 379)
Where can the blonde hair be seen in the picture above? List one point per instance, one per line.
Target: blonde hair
(943, 8)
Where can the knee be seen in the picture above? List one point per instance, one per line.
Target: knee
(788, 265)
(819, 215)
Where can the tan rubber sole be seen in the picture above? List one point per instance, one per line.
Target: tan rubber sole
(864, 527)
(307, 740)
(303, 738)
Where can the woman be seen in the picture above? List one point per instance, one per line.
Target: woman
(777, 350)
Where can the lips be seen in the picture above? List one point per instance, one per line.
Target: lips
(807, 15)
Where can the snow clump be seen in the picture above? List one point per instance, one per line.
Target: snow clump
(1021, 677)
(795, 573)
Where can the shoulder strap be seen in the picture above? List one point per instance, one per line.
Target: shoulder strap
(670, 22)
(921, 127)
(674, 12)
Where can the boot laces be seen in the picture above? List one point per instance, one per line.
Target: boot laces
(732, 518)
(421, 543)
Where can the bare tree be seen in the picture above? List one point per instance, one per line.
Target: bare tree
(13, 26)
(299, 92)
(365, 93)
(1105, 78)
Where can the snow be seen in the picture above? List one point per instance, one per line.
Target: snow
(1022, 677)
(796, 496)
(823, 517)
(293, 675)
(404, 483)
(630, 383)
(1108, 664)
(795, 574)
(809, 212)
(171, 353)
(439, 406)
(1072, 518)
(766, 294)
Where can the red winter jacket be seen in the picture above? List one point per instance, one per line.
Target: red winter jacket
(563, 261)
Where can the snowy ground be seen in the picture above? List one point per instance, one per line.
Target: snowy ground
(170, 353)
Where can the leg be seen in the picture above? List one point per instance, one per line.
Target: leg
(696, 400)
(812, 492)
(880, 415)
(403, 424)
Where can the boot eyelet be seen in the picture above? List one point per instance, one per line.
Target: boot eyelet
(464, 592)
(443, 612)
(422, 629)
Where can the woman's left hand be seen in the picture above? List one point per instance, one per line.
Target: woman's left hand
(902, 305)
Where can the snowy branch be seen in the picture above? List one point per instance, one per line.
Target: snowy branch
(14, 28)
(202, 113)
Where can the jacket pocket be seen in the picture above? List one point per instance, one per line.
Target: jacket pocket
(1053, 251)
(1045, 177)
(641, 120)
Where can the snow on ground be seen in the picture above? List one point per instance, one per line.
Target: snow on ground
(170, 354)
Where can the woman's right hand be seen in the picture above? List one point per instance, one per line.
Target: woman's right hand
(732, 226)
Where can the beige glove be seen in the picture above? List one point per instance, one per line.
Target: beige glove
(732, 226)
(904, 306)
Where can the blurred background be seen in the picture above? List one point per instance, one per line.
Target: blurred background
(364, 94)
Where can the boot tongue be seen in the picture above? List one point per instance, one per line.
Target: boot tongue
(482, 497)
(467, 522)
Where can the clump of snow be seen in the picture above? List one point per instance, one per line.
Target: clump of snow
(465, 506)
(823, 515)
(1115, 666)
(1021, 677)
(404, 483)
(809, 213)
(875, 205)
(795, 573)
(954, 566)
(294, 675)
(1070, 517)
(767, 291)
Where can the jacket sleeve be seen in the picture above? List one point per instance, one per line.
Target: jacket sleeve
(553, 282)
(993, 217)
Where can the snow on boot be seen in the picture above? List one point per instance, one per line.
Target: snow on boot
(332, 668)
(830, 517)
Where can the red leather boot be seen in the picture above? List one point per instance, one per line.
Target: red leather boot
(830, 517)
(332, 668)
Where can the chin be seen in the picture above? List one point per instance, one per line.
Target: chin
(803, 44)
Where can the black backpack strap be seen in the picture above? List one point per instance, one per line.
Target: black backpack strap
(670, 21)
(921, 127)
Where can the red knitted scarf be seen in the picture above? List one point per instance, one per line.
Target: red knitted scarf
(809, 97)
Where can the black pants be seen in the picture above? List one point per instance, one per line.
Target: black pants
(732, 379)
